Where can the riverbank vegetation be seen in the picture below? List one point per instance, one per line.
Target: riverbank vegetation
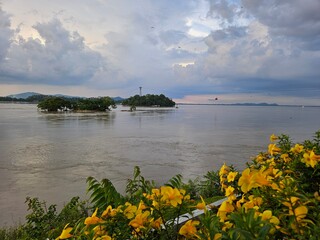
(275, 197)
(149, 100)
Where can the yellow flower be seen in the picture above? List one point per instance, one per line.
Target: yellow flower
(290, 203)
(254, 202)
(224, 170)
(229, 191)
(157, 223)
(260, 158)
(65, 233)
(297, 149)
(142, 206)
(273, 138)
(217, 236)
(156, 192)
(171, 195)
(231, 176)
(201, 205)
(140, 220)
(155, 204)
(274, 220)
(226, 226)
(300, 212)
(310, 159)
(130, 210)
(183, 192)
(225, 207)
(246, 181)
(273, 149)
(189, 229)
(109, 212)
(267, 216)
(285, 157)
(93, 219)
(260, 179)
(276, 173)
(99, 230)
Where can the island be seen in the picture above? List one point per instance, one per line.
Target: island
(56, 104)
(149, 100)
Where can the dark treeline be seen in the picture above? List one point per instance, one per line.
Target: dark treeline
(56, 103)
(149, 100)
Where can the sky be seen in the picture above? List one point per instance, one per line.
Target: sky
(192, 51)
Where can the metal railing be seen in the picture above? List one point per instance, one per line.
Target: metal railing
(187, 216)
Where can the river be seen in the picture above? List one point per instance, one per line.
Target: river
(49, 155)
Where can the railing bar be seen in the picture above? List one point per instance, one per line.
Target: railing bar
(185, 217)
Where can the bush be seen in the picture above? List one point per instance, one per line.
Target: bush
(44, 222)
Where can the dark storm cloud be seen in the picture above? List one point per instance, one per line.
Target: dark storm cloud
(293, 19)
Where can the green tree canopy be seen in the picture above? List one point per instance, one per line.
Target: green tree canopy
(149, 100)
(53, 104)
(95, 104)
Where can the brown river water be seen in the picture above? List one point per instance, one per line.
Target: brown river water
(50, 155)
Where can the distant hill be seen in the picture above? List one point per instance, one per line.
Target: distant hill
(118, 99)
(24, 95)
(65, 96)
(233, 104)
(256, 104)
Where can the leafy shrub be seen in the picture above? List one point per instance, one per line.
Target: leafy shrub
(12, 233)
(44, 222)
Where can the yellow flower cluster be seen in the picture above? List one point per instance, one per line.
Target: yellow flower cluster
(271, 179)
(140, 217)
(167, 195)
(279, 188)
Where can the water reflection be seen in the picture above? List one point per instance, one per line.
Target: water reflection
(77, 118)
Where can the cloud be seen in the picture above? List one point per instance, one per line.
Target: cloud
(224, 10)
(172, 47)
(6, 34)
(291, 19)
(276, 52)
(171, 37)
(59, 57)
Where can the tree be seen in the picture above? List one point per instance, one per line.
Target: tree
(52, 104)
(149, 100)
(95, 104)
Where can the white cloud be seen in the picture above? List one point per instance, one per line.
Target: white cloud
(63, 58)
(5, 34)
